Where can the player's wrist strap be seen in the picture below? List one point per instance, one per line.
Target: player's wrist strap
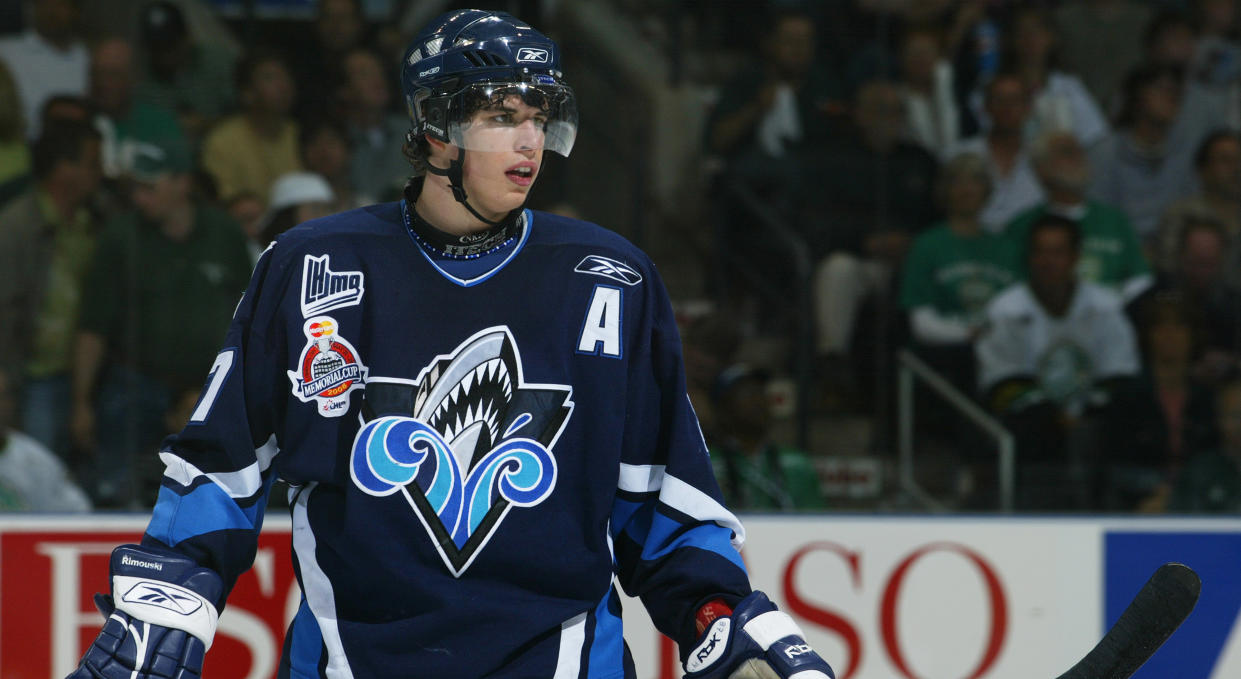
(167, 605)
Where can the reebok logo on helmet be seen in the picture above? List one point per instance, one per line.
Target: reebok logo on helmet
(533, 55)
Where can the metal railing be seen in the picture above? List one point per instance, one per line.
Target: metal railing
(910, 367)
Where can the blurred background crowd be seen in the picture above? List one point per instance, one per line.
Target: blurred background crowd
(900, 235)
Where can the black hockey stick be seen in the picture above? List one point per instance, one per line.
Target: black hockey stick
(1154, 614)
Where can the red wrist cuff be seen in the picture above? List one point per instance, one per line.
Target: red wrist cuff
(713, 609)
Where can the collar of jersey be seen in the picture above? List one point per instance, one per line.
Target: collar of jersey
(526, 221)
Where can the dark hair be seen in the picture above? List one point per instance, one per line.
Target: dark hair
(61, 141)
(283, 220)
(1203, 154)
(243, 73)
(1002, 74)
(1139, 79)
(1008, 49)
(1162, 22)
(88, 109)
(312, 127)
(1201, 222)
(1050, 222)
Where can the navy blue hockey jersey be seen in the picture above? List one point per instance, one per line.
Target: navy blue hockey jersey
(475, 462)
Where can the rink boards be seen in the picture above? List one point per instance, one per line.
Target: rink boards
(880, 597)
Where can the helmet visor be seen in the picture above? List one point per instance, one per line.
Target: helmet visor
(514, 117)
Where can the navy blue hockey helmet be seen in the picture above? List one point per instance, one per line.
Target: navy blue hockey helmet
(474, 59)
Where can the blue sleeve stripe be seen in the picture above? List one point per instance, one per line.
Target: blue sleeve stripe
(205, 509)
(306, 645)
(607, 653)
(623, 512)
(668, 535)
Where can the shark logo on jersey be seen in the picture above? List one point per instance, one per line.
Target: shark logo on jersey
(607, 267)
(328, 368)
(465, 443)
(324, 289)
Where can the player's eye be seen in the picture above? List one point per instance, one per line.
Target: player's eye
(502, 118)
(540, 122)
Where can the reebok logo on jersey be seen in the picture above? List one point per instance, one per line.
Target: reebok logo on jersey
(163, 595)
(324, 289)
(598, 265)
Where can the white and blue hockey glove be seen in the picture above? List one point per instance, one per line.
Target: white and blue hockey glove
(161, 618)
(755, 641)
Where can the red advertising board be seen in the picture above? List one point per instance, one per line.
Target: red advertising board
(50, 572)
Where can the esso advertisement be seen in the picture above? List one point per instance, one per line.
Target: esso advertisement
(878, 597)
(918, 598)
(50, 571)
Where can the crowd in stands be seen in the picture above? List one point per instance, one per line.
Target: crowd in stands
(1041, 199)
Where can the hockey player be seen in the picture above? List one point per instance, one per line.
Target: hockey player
(481, 413)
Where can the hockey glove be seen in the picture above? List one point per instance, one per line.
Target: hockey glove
(754, 641)
(161, 618)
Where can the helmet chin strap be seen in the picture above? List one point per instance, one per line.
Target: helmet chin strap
(455, 174)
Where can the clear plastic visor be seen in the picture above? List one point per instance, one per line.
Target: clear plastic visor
(514, 117)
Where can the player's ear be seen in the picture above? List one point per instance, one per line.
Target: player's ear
(435, 144)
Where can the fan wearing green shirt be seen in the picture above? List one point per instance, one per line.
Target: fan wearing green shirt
(754, 472)
(954, 269)
(1111, 254)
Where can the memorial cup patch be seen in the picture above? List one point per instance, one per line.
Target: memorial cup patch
(328, 369)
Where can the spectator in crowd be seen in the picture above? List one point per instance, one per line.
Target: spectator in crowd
(1097, 42)
(1054, 350)
(249, 150)
(1111, 254)
(165, 282)
(779, 101)
(338, 28)
(1203, 281)
(1060, 101)
(295, 198)
(47, 244)
(873, 193)
(248, 211)
(122, 120)
(66, 108)
(32, 478)
(954, 270)
(933, 119)
(14, 154)
(49, 58)
(754, 472)
(1167, 412)
(710, 342)
(1218, 164)
(1217, 55)
(1211, 480)
(326, 152)
(1142, 167)
(189, 77)
(1171, 41)
(375, 132)
(1015, 187)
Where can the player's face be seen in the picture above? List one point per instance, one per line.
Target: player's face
(506, 151)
